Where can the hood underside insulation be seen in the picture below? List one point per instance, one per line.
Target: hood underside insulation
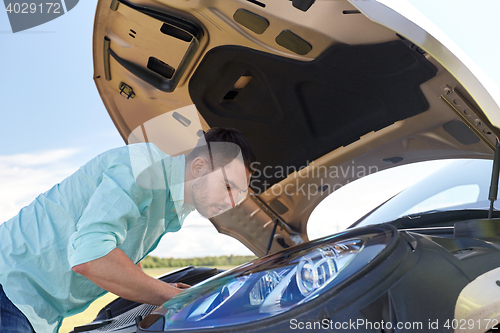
(294, 112)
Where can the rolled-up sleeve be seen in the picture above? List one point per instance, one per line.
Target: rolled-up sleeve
(110, 213)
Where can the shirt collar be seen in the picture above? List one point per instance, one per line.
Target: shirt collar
(176, 179)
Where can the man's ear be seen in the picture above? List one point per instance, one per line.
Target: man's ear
(198, 167)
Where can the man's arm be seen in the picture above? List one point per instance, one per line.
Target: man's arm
(116, 273)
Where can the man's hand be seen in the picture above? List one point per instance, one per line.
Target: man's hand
(116, 273)
(180, 285)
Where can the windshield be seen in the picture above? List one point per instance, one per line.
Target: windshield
(402, 191)
(462, 184)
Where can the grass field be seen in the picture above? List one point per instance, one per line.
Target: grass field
(88, 315)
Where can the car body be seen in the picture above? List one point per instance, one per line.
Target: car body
(318, 88)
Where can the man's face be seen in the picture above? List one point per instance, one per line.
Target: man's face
(220, 190)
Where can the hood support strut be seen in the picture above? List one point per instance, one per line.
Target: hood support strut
(278, 220)
(494, 180)
(488, 229)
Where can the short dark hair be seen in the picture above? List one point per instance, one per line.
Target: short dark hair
(229, 152)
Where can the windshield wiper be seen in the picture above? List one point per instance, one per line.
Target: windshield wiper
(442, 218)
(414, 216)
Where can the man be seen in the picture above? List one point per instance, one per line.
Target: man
(87, 235)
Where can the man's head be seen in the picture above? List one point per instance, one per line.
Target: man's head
(218, 171)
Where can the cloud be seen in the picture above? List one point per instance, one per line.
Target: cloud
(37, 159)
(198, 238)
(25, 176)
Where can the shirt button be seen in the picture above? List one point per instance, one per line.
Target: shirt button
(175, 210)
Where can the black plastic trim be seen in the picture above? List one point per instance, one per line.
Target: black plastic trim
(179, 28)
(181, 23)
(175, 32)
(156, 80)
(292, 42)
(91, 326)
(258, 3)
(303, 5)
(251, 21)
(107, 69)
(159, 67)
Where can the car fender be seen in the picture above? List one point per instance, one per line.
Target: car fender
(479, 304)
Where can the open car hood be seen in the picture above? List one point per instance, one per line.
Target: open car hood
(337, 84)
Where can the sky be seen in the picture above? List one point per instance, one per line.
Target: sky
(465, 27)
(53, 121)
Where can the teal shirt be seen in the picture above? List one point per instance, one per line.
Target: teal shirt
(98, 208)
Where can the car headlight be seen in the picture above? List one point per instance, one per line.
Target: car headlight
(271, 285)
